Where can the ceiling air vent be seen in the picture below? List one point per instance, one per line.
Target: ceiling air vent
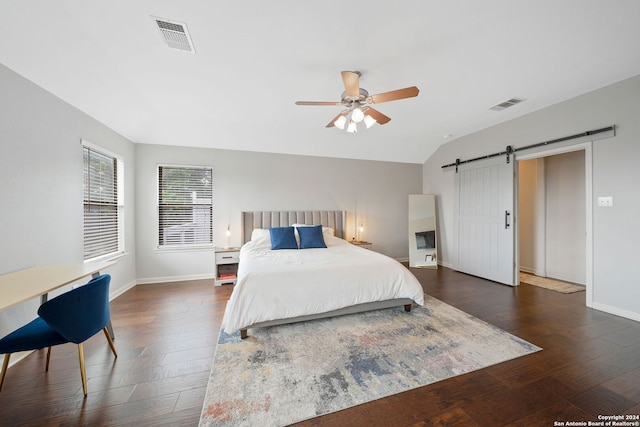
(175, 34)
(506, 104)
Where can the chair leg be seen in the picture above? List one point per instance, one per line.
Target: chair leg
(113, 347)
(83, 372)
(5, 366)
(48, 359)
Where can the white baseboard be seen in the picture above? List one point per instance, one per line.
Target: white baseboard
(152, 280)
(616, 311)
(122, 290)
(446, 264)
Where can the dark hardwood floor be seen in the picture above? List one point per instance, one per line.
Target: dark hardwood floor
(166, 335)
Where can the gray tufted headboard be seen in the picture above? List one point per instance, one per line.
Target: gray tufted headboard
(267, 219)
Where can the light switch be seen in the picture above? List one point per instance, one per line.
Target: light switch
(605, 202)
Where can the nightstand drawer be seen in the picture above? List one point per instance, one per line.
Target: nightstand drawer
(227, 257)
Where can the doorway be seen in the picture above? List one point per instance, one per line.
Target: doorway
(554, 196)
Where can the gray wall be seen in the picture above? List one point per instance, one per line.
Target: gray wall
(41, 218)
(244, 181)
(565, 217)
(615, 173)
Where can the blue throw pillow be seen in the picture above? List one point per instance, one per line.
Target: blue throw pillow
(311, 237)
(283, 238)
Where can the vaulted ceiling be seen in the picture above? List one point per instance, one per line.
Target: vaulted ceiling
(253, 59)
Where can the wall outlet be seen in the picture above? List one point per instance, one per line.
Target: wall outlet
(605, 202)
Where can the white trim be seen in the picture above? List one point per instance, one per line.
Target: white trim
(175, 165)
(616, 311)
(185, 247)
(122, 290)
(152, 280)
(114, 256)
(447, 264)
(528, 270)
(101, 150)
(553, 151)
(120, 200)
(588, 170)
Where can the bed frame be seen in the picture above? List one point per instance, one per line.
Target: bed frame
(333, 219)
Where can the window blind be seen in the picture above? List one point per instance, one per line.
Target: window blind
(185, 206)
(100, 204)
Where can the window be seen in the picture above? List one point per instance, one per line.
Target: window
(185, 206)
(103, 203)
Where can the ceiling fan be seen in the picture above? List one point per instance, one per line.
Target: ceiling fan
(355, 100)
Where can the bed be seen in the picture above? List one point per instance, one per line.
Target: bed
(282, 286)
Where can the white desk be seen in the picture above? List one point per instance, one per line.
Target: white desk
(23, 285)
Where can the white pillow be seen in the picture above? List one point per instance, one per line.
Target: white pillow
(260, 234)
(328, 230)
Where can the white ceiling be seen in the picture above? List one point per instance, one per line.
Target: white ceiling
(255, 58)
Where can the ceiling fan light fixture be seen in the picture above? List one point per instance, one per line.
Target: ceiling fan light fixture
(357, 115)
(369, 121)
(340, 122)
(355, 102)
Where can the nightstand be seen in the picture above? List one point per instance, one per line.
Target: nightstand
(227, 260)
(361, 244)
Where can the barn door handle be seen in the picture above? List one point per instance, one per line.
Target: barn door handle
(506, 220)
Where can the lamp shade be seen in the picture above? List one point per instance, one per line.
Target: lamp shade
(369, 121)
(357, 115)
(340, 122)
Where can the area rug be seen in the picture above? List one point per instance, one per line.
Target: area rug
(554, 285)
(285, 374)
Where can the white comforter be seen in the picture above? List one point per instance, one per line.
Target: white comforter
(288, 283)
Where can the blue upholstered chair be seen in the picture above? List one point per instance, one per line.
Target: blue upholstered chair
(74, 316)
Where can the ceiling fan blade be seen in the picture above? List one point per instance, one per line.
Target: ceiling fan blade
(333, 121)
(407, 92)
(330, 104)
(351, 80)
(377, 115)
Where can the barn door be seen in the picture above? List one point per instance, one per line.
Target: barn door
(484, 216)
